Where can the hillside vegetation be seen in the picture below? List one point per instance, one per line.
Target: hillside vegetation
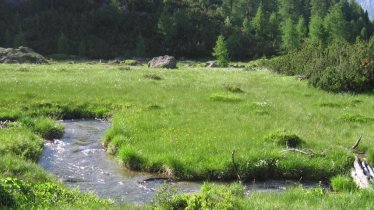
(110, 28)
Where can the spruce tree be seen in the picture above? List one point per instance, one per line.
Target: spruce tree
(301, 30)
(220, 52)
(319, 7)
(246, 26)
(289, 35)
(259, 23)
(317, 31)
(335, 24)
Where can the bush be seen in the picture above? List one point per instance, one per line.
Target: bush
(6, 199)
(220, 52)
(210, 197)
(337, 68)
(285, 138)
(19, 194)
(342, 184)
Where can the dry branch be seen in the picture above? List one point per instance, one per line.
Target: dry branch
(357, 143)
(4, 124)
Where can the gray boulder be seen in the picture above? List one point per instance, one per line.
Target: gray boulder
(167, 62)
(20, 55)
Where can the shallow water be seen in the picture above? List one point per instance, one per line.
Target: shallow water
(79, 160)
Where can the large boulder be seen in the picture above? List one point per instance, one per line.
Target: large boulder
(20, 55)
(167, 62)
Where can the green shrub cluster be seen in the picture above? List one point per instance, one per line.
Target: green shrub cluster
(19, 194)
(285, 138)
(343, 184)
(340, 67)
(210, 197)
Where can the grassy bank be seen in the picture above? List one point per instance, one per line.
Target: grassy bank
(234, 197)
(23, 184)
(185, 123)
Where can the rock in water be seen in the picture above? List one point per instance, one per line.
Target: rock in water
(167, 62)
(20, 55)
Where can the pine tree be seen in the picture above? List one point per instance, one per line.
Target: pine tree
(290, 9)
(317, 31)
(273, 27)
(259, 23)
(289, 35)
(63, 44)
(319, 7)
(335, 24)
(246, 26)
(301, 30)
(220, 52)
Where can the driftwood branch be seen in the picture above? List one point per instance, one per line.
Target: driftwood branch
(361, 173)
(357, 143)
(234, 164)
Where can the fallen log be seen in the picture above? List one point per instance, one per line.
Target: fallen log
(359, 174)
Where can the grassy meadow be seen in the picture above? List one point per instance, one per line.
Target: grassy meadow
(185, 124)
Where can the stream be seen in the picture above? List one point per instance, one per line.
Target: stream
(80, 161)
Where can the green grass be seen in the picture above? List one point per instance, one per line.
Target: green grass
(310, 199)
(343, 184)
(213, 196)
(20, 142)
(23, 183)
(187, 124)
(45, 127)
